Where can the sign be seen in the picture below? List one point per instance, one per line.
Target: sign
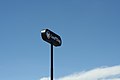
(51, 37)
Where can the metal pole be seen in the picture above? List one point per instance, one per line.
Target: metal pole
(51, 61)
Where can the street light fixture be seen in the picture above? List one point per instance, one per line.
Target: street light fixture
(53, 39)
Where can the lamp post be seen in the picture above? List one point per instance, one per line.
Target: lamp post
(54, 40)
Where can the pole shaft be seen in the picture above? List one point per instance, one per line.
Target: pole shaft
(51, 61)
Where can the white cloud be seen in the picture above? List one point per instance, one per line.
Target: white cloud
(103, 73)
(45, 78)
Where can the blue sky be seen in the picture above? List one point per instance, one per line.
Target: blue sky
(90, 31)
